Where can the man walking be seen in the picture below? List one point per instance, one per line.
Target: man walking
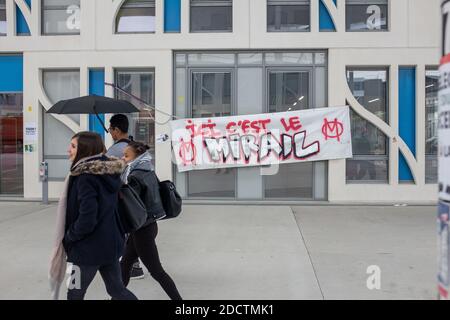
(118, 128)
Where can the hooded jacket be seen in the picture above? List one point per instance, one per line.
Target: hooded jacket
(140, 176)
(93, 234)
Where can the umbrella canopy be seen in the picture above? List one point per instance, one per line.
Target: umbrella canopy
(93, 105)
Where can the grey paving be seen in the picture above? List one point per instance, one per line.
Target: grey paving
(344, 240)
(251, 252)
(212, 252)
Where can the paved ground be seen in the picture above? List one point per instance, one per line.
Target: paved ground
(251, 252)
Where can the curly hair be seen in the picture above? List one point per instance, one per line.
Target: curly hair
(138, 147)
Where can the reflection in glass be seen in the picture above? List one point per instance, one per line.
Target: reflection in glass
(11, 144)
(431, 120)
(2, 18)
(61, 85)
(369, 144)
(293, 180)
(214, 183)
(140, 83)
(288, 15)
(61, 17)
(211, 94)
(366, 16)
(211, 97)
(367, 170)
(288, 91)
(216, 15)
(136, 16)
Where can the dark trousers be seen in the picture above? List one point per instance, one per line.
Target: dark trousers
(111, 277)
(141, 244)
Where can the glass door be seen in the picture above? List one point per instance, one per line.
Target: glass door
(290, 90)
(11, 144)
(211, 96)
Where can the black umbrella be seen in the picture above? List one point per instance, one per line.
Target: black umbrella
(93, 105)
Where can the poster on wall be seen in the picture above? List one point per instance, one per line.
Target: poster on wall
(30, 131)
(262, 139)
(443, 128)
(443, 246)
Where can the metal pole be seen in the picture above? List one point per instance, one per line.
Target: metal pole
(443, 126)
(43, 176)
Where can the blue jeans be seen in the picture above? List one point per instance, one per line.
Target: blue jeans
(112, 278)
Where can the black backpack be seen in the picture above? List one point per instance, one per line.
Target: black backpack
(170, 198)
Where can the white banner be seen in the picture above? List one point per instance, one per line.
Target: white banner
(262, 139)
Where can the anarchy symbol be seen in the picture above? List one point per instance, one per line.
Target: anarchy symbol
(332, 129)
(187, 151)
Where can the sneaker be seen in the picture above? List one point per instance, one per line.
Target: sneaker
(136, 273)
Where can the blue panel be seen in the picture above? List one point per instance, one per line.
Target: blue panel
(21, 25)
(97, 87)
(325, 21)
(172, 15)
(407, 117)
(11, 73)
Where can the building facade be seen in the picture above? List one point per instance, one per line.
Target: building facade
(203, 58)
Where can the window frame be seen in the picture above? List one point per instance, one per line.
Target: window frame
(287, 3)
(372, 2)
(428, 156)
(152, 103)
(183, 63)
(132, 6)
(45, 156)
(210, 3)
(3, 8)
(385, 157)
(55, 8)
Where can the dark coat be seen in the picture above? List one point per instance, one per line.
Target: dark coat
(145, 183)
(93, 234)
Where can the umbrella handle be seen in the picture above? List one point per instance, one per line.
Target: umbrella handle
(101, 121)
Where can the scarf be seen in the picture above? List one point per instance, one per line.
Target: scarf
(143, 161)
(58, 258)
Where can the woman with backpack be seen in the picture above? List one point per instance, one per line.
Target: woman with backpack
(140, 176)
(88, 226)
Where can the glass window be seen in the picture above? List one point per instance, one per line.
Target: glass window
(61, 17)
(11, 143)
(288, 91)
(204, 183)
(250, 58)
(366, 15)
(212, 84)
(58, 85)
(211, 94)
(370, 149)
(211, 15)
(140, 83)
(431, 120)
(210, 59)
(181, 59)
(211, 97)
(288, 184)
(2, 18)
(288, 15)
(290, 58)
(136, 16)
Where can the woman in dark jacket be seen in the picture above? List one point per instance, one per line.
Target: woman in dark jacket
(93, 239)
(141, 244)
